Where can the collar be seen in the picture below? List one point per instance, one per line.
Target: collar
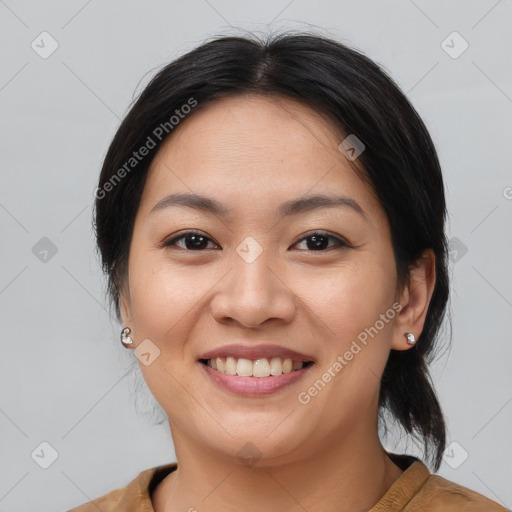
(136, 496)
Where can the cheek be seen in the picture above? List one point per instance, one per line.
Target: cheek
(353, 298)
(163, 295)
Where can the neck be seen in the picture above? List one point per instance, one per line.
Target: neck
(348, 474)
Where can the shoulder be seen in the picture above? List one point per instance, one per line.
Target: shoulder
(106, 503)
(135, 496)
(440, 494)
(417, 490)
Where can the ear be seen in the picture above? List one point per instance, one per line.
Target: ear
(415, 299)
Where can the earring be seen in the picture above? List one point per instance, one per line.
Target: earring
(411, 339)
(125, 339)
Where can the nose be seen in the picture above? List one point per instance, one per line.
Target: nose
(253, 293)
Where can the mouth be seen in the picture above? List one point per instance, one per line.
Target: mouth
(252, 371)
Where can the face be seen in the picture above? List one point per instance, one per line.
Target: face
(252, 279)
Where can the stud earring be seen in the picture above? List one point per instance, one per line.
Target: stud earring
(411, 339)
(125, 338)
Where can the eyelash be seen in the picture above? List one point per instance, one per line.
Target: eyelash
(340, 243)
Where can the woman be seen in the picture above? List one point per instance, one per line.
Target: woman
(270, 215)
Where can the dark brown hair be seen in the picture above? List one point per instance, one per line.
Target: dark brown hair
(399, 162)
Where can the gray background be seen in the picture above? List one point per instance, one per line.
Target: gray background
(64, 377)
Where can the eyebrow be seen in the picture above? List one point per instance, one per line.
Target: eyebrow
(288, 208)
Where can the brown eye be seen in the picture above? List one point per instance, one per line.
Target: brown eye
(192, 241)
(319, 241)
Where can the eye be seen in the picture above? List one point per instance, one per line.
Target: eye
(320, 240)
(196, 241)
(193, 241)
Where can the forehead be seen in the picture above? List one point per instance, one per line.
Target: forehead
(256, 148)
(255, 125)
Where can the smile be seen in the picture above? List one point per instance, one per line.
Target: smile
(253, 378)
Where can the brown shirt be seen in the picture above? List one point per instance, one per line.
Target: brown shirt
(416, 490)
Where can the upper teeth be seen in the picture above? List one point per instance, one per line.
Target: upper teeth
(259, 368)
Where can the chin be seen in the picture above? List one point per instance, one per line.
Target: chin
(260, 445)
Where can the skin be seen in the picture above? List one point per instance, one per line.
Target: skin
(252, 153)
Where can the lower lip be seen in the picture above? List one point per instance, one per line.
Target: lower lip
(254, 386)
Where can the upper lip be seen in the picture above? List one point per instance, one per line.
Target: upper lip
(255, 352)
